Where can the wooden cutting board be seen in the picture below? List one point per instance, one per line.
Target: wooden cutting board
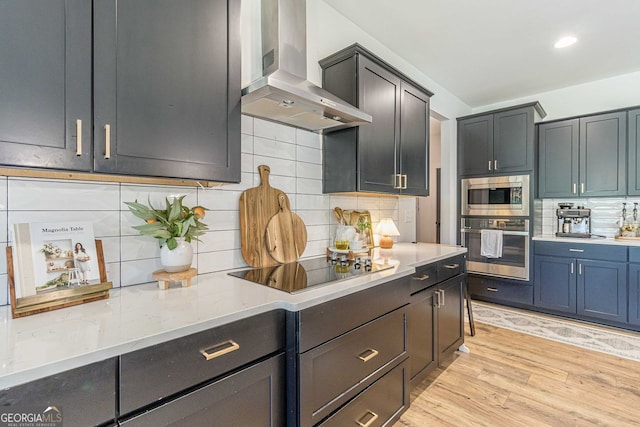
(286, 234)
(257, 206)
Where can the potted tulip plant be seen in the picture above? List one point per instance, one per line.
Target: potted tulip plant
(174, 227)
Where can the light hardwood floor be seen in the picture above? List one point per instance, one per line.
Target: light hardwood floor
(513, 379)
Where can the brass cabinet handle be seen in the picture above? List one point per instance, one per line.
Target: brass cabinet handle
(580, 269)
(368, 354)
(442, 294)
(571, 268)
(78, 137)
(421, 278)
(107, 140)
(576, 250)
(495, 165)
(582, 188)
(397, 181)
(489, 165)
(436, 296)
(220, 349)
(452, 266)
(575, 188)
(404, 186)
(372, 417)
(492, 289)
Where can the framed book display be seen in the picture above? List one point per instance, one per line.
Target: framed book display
(55, 265)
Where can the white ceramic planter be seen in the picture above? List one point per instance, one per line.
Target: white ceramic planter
(178, 259)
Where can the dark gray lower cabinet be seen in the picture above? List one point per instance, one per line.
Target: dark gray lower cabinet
(85, 396)
(252, 397)
(435, 322)
(345, 348)
(593, 286)
(634, 294)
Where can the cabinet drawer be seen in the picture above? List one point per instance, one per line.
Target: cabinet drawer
(336, 371)
(251, 397)
(159, 371)
(320, 323)
(448, 268)
(379, 404)
(496, 290)
(424, 277)
(582, 250)
(634, 254)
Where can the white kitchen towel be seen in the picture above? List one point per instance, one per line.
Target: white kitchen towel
(491, 243)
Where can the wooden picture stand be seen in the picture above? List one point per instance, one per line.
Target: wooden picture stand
(34, 304)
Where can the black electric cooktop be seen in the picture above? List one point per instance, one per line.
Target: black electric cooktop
(301, 275)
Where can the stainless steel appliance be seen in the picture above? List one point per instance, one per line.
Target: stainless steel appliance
(495, 196)
(573, 222)
(304, 274)
(514, 262)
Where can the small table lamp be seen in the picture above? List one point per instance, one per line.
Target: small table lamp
(386, 228)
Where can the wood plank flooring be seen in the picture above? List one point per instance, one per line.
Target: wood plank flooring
(513, 379)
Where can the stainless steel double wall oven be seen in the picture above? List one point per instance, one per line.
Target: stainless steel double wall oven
(497, 203)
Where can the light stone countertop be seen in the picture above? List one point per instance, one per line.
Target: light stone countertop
(593, 240)
(143, 315)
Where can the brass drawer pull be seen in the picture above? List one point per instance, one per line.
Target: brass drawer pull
(368, 354)
(576, 250)
(78, 137)
(492, 289)
(107, 141)
(220, 349)
(372, 417)
(452, 266)
(421, 278)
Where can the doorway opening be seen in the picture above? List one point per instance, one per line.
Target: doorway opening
(428, 209)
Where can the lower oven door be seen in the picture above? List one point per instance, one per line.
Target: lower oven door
(514, 263)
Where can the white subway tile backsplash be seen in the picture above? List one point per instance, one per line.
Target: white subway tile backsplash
(271, 130)
(295, 159)
(3, 259)
(273, 148)
(282, 167)
(56, 195)
(246, 125)
(308, 186)
(309, 155)
(308, 139)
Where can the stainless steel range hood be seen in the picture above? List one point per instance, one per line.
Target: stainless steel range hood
(281, 92)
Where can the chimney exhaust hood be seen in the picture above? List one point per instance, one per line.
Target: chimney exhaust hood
(281, 92)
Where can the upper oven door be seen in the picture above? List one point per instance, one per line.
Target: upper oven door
(495, 196)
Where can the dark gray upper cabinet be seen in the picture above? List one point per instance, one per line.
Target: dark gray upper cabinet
(389, 155)
(498, 142)
(584, 156)
(633, 171)
(167, 89)
(45, 64)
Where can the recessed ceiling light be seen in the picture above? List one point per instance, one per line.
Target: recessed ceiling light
(565, 42)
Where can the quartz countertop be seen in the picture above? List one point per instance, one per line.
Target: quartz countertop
(592, 240)
(142, 315)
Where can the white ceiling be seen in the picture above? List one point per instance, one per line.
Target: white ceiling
(487, 51)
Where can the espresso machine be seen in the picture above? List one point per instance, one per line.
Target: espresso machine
(573, 222)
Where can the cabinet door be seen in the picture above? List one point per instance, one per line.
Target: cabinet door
(86, 396)
(603, 159)
(414, 141)
(558, 146)
(167, 84)
(252, 397)
(475, 145)
(634, 294)
(420, 336)
(554, 286)
(513, 145)
(602, 290)
(45, 64)
(450, 318)
(377, 141)
(633, 181)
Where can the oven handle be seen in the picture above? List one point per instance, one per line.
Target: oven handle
(506, 233)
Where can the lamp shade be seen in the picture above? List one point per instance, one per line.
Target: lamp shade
(386, 227)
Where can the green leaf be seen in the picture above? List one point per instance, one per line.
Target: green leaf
(171, 243)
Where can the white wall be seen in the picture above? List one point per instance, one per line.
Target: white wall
(600, 95)
(328, 31)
